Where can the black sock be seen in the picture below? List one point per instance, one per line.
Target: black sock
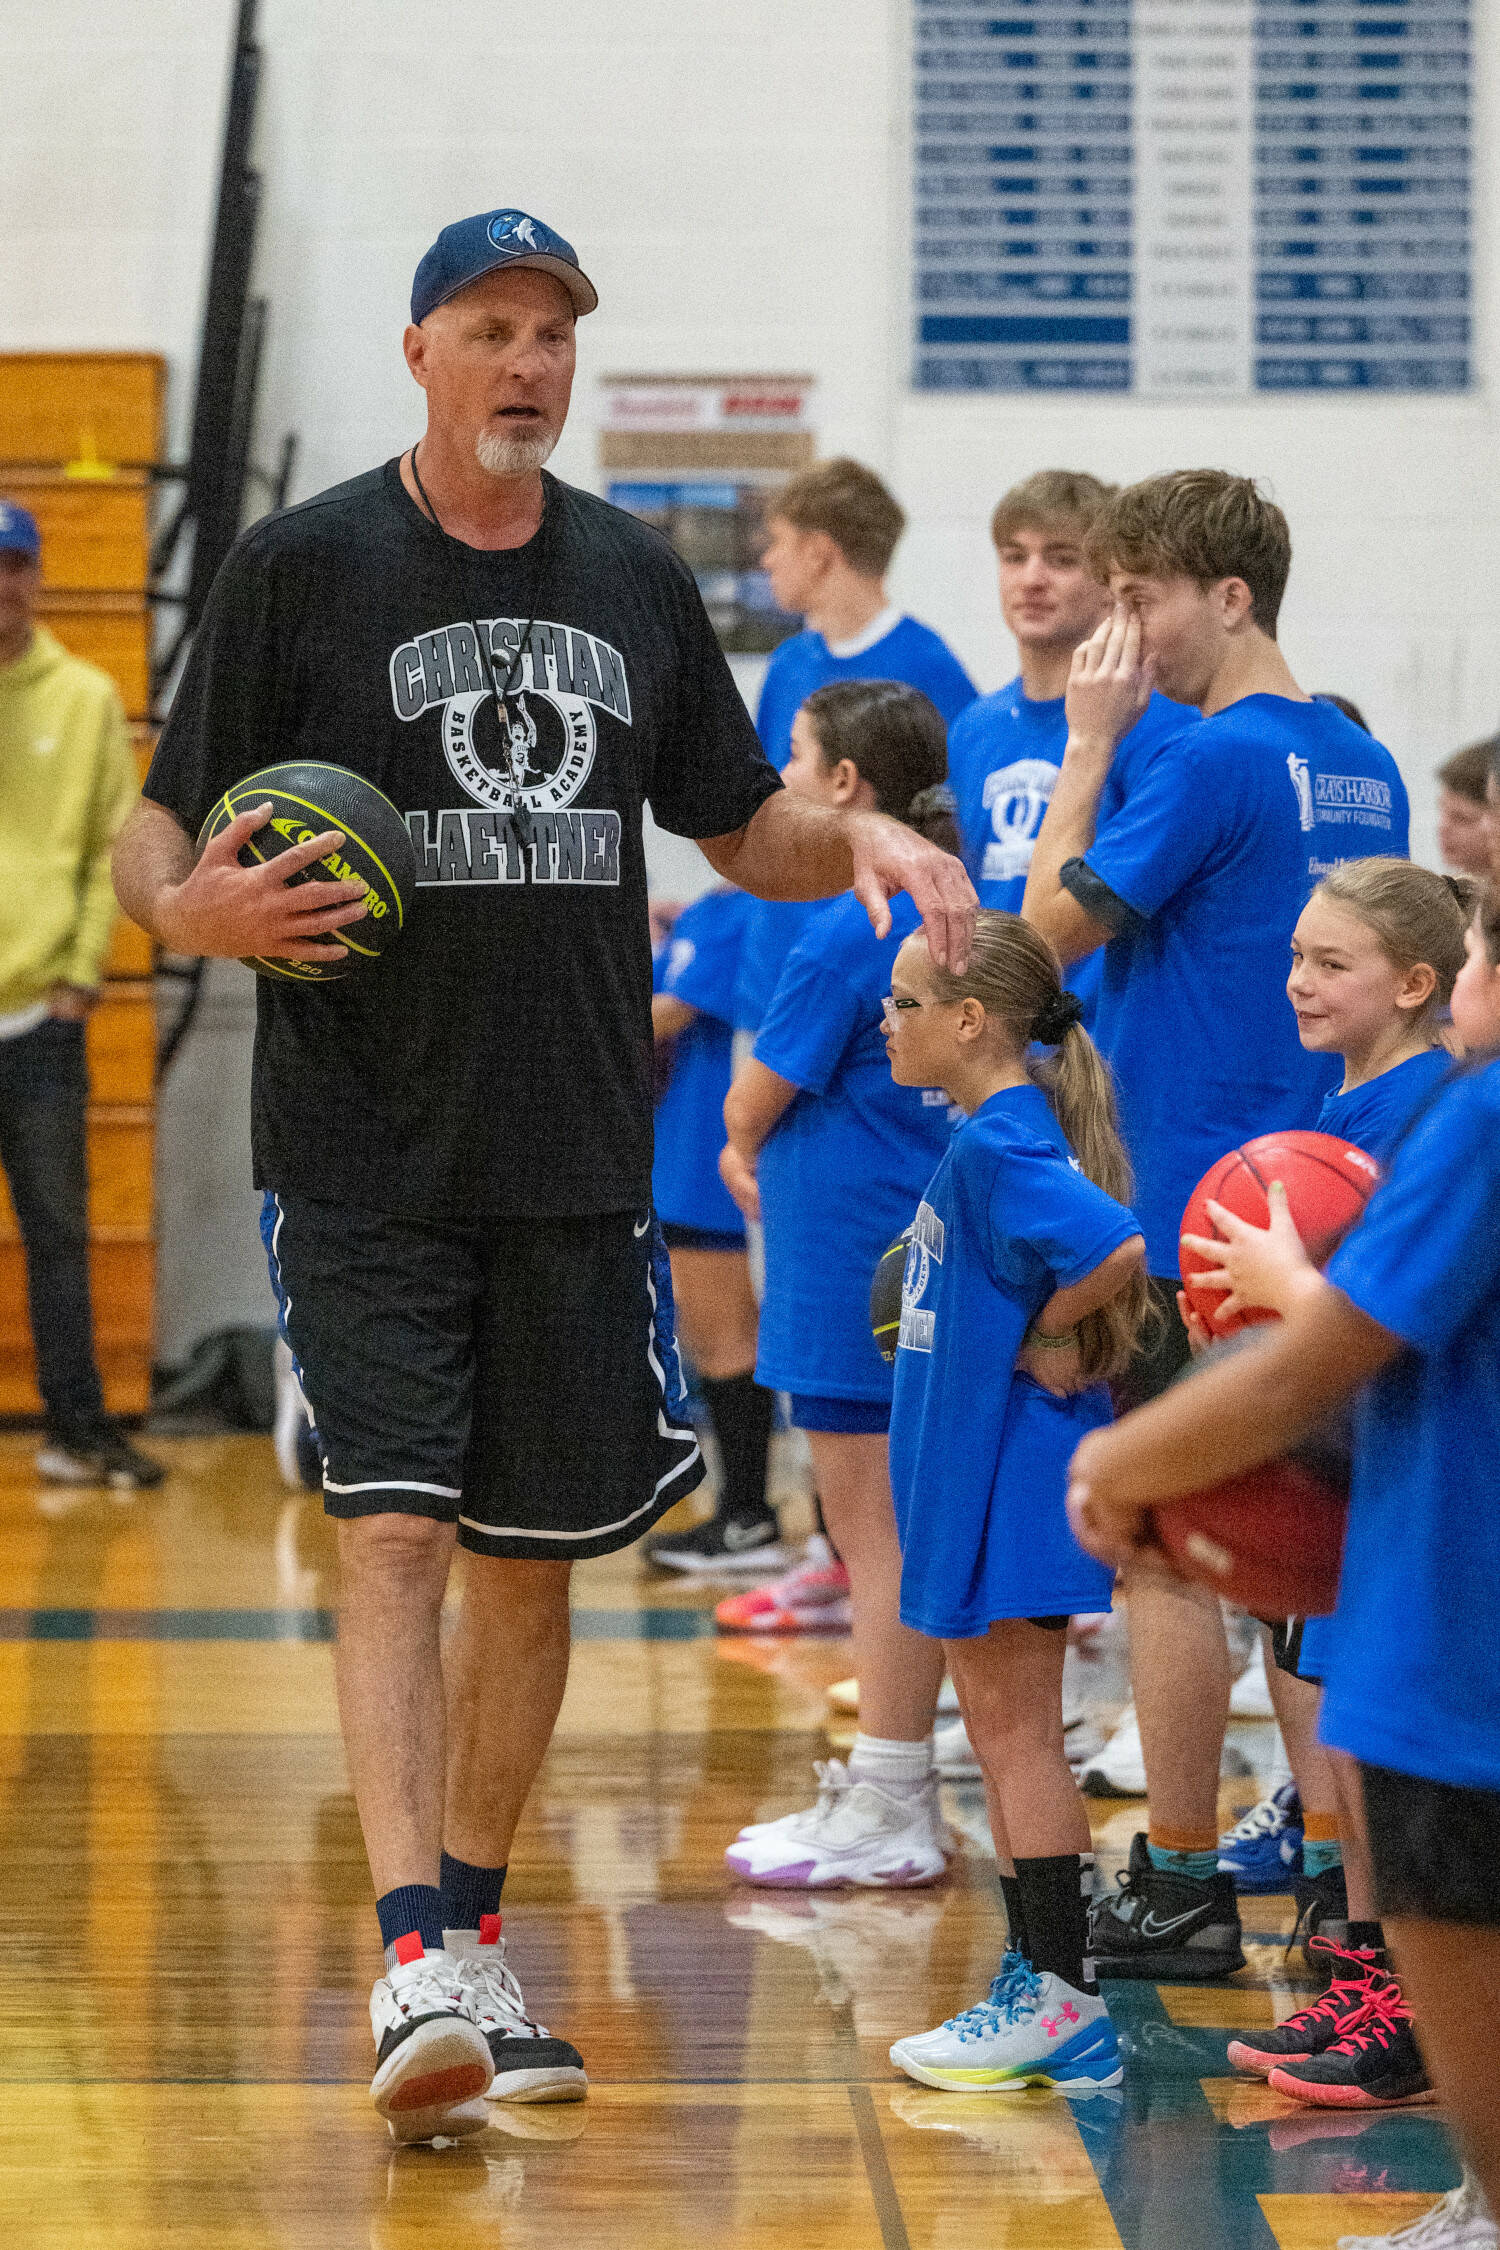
(411, 1910)
(1055, 1894)
(1367, 1936)
(469, 1892)
(1015, 1916)
(742, 1414)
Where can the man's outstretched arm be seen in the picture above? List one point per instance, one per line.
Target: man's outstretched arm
(793, 849)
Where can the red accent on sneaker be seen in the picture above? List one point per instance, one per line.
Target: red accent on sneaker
(489, 1929)
(409, 1948)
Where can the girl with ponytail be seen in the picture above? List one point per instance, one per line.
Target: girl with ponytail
(1025, 1290)
(831, 1157)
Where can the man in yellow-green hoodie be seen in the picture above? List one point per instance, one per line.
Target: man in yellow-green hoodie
(66, 784)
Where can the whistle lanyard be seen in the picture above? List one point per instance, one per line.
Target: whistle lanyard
(513, 745)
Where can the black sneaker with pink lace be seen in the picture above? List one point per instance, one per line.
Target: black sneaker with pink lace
(1376, 2064)
(1353, 1974)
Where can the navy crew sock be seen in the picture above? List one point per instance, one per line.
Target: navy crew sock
(412, 1909)
(469, 1893)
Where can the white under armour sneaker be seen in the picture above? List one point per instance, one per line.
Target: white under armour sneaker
(530, 2065)
(857, 1833)
(1461, 2221)
(432, 2061)
(1032, 2031)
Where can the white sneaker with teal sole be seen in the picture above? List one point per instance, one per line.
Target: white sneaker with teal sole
(1033, 2030)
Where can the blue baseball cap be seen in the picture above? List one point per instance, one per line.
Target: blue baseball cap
(490, 243)
(18, 531)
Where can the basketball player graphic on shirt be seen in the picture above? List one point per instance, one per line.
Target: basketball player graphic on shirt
(519, 730)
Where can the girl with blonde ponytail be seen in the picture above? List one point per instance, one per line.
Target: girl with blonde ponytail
(1025, 1289)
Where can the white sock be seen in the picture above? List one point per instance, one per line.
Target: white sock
(902, 1768)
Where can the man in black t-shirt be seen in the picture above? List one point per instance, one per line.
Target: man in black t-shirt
(454, 1144)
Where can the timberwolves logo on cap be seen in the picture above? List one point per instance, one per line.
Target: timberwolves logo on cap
(509, 227)
(493, 242)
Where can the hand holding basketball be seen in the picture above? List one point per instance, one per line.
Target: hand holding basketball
(1264, 1269)
(224, 908)
(1109, 684)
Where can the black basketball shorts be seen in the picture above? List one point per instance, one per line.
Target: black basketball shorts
(1436, 1848)
(517, 1377)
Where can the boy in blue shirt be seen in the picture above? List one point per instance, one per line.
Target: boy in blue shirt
(1005, 750)
(1410, 1308)
(831, 534)
(1190, 888)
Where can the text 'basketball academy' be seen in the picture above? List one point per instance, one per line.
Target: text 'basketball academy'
(525, 772)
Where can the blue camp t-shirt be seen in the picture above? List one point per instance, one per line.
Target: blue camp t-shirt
(909, 652)
(1375, 1116)
(844, 1169)
(979, 1454)
(1004, 755)
(698, 965)
(1206, 867)
(1413, 1675)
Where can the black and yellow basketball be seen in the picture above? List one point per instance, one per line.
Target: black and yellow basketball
(885, 1296)
(306, 799)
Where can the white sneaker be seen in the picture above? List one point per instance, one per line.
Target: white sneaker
(1119, 1769)
(953, 1753)
(1032, 2031)
(530, 2065)
(857, 1832)
(432, 2061)
(1250, 1697)
(1461, 2221)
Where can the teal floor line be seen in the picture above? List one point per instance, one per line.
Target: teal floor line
(306, 1624)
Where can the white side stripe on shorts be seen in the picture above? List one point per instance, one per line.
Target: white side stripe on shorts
(396, 1484)
(664, 1429)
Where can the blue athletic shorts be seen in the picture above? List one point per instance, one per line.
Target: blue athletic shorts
(855, 1417)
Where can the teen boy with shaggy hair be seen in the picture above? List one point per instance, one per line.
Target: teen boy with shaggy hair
(1005, 750)
(1192, 888)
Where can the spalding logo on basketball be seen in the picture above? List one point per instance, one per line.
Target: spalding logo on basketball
(307, 799)
(1328, 1182)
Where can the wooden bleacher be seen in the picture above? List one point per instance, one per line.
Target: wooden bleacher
(78, 431)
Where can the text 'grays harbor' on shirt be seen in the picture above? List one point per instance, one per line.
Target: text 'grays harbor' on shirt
(497, 1060)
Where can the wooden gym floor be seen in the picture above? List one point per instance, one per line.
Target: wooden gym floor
(187, 1946)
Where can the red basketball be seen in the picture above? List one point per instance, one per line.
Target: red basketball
(1328, 1182)
(1271, 1540)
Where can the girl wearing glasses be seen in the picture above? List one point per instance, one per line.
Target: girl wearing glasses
(1025, 1289)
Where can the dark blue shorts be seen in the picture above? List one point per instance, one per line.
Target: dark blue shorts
(855, 1417)
(517, 1377)
(700, 1238)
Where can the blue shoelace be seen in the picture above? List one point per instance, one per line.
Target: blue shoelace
(1012, 1995)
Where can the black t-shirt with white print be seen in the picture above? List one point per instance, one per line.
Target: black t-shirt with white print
(498, 1059)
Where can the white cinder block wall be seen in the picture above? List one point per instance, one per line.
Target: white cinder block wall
(733, 174)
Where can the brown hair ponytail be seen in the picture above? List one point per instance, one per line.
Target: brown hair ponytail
(1014, 974)
(1415, 915)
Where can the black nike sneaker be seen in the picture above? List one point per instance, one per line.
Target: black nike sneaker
(1322, 1912)
(723, 1546)
(1174, 1929)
